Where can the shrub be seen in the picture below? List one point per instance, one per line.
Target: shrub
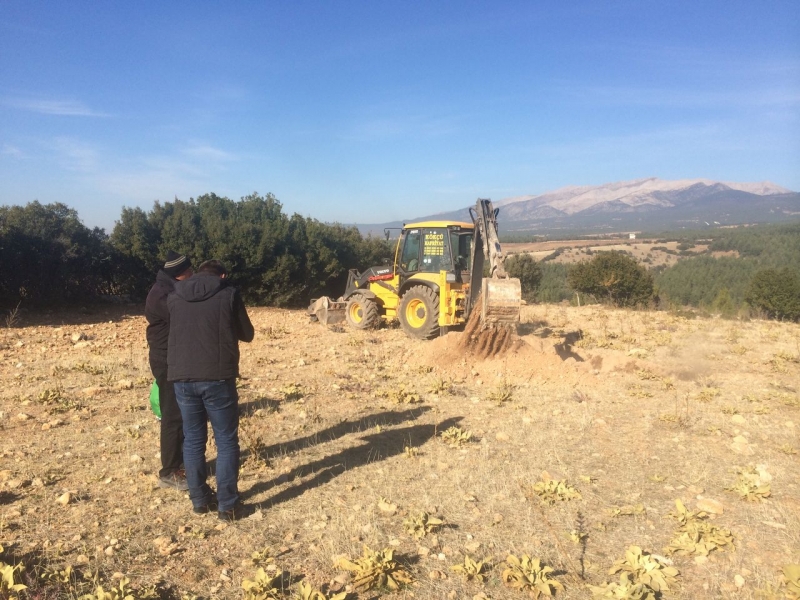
(524, 267)
(613, 277)
(723, 303)
(776, 292)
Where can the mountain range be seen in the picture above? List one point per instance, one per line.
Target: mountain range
(640, 204)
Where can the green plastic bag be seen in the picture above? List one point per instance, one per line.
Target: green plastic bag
(155, 405)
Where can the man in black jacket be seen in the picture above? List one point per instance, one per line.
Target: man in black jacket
(176, 268)
(207, 321)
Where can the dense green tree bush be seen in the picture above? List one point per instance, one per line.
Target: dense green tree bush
(699, 280)
(527, 270)
(553, 286)
(50, 257)
(612, 277)
(724, 304)
(275, 259)
(776, 292)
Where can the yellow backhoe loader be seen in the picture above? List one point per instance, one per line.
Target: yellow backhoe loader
(440, 269)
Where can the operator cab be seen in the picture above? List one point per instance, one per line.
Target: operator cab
(434, 246)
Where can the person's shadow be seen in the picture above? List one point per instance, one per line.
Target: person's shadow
(375, 447)
(564, 349)
(329, 434)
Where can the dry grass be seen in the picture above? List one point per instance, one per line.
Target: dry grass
(662, 408)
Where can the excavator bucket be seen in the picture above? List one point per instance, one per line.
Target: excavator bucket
(502, 299)
(501, 295)
(327, 311)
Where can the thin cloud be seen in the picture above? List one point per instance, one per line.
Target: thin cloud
(383, 128)
(13, 151)
(62, 108)
(208, 152)
(75, 155)
(676, 98)
(705, 135)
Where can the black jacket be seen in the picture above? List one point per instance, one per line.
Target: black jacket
(157, 313)
(207, 321)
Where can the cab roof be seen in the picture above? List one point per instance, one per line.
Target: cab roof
(461, 224)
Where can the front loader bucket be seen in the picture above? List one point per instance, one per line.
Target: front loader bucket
(502, 299)
(327, 311)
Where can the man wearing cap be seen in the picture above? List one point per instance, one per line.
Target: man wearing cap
(176, 268)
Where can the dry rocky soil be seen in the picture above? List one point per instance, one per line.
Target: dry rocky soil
(341, 434)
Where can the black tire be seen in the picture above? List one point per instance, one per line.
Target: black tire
(419, 312)
(362, 312)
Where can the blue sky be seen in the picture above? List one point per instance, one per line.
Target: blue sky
(374, 111)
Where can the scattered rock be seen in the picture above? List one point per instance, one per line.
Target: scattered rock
(77, 337)
(710, 505)
(92, 391)
(740, 445)
(82, 559)
(501, 436)
(763, 475)
(386, 507)
(64, 498)
(124, 384)
(738, 581)
(738, 420)
(472, 546)
(165, 545)
(436, 574)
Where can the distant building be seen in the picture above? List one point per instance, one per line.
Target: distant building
(632, 236)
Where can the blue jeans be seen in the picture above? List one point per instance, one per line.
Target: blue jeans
(218, 402)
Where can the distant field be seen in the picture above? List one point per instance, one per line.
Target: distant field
(648, 251)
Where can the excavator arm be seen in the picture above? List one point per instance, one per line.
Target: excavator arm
(501, 295)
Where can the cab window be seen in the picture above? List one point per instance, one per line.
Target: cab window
(435, 251)
(461, 243)
(409, 261)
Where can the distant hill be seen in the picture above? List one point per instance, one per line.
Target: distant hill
(640, 204)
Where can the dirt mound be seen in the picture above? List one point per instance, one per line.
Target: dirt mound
(522, 360)
(486, 342)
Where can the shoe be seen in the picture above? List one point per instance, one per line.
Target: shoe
(206, 508)
(175, 480)
(240, 511)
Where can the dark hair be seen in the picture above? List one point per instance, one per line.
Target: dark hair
(213, 266)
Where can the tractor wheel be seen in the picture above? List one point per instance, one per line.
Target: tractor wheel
(362, 312)
(419, 312)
